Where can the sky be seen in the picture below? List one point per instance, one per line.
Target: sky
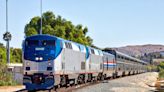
(111, 23)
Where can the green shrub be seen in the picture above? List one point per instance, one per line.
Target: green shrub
(161, 70)
(5, 76)
(152, 68)
(161, 73)
(161, 65)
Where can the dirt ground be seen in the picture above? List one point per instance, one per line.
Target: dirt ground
(11, 88)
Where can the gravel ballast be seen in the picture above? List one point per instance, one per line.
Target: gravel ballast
(137, 83)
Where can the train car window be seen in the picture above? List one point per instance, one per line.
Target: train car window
(70, 45)
(66, 45)
(48, 42)
(100, 53)
(79, 48)
(118, 56)
(92, 51)
(32, 43)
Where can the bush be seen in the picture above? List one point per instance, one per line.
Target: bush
(161, 73)
(161, 69)
(152, 68)
(5, 76)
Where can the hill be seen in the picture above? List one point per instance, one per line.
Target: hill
(140, 50)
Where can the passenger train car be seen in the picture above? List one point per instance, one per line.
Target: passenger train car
(51, 61)
(127, 65)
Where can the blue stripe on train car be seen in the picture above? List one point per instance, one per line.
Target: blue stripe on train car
(59, 47)
(87, 53)
(109, 65)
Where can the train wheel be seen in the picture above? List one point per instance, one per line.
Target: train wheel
(102, 78)
(89, 78)
(63, 80)
(105, 77)
(81, 79)
(49, 90)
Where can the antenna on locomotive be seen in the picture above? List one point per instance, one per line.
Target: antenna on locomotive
(40, 17)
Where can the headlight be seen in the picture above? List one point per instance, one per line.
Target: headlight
(41, 58)
(36, 58)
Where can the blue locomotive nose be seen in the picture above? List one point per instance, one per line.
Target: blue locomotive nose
(39, 54)
(39, 50)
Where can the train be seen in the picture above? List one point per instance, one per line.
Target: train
(50, 61)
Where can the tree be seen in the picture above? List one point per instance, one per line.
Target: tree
(60, 27)
(1, 45)
(15, 54)
(2, 54)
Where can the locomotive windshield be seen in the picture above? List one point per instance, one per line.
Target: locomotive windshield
(43, 43)
(48, 42)
(32, 43)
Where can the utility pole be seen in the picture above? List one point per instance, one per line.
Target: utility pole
(41, 16)
(7, 36)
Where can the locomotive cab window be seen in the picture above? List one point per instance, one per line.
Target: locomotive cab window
(48, 42)
(32, 42)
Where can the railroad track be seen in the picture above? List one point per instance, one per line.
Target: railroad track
(74, 87)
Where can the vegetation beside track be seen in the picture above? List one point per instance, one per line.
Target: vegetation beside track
(5, 76)
(15, 54)
(161, 70)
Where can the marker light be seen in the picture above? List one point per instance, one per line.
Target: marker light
(28, 63)
(49, 63)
